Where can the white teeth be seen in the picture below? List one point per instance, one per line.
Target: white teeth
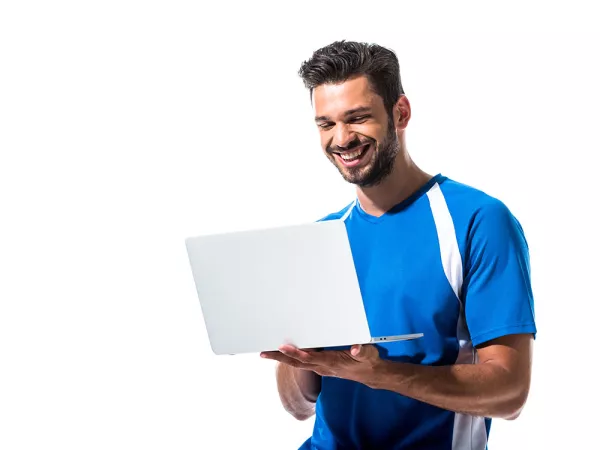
(353, 155)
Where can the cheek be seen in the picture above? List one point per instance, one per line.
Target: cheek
(377, 134)
(370, 132)
(325, 140)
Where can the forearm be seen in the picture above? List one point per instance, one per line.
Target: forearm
(484, 390)
(298, 390)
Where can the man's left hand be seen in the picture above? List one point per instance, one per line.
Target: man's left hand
(357, 364)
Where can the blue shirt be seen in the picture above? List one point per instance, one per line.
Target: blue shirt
(451, 262)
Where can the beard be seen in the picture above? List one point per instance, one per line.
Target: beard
(381, 164)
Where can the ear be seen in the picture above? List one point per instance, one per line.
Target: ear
(402, 113)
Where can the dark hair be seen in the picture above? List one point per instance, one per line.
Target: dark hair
(342, 60)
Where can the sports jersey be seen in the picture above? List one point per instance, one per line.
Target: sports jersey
(450, 262)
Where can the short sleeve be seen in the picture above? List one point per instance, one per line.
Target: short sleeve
(497, 290)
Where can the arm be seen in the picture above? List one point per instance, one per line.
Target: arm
(497, 386)
(497, 302)
(498, 307)
(298, 390)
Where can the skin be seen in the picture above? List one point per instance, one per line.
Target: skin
(351, 115)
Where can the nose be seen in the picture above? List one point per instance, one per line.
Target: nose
(342, 136)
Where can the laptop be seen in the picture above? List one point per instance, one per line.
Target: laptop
(297, 285)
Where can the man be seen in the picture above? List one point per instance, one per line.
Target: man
(433, 256)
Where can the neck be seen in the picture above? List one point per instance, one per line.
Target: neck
(405, 179)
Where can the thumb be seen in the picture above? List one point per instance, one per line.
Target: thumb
(361, 352)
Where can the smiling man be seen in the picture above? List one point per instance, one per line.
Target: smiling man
(433, 256)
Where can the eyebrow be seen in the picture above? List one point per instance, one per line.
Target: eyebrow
(360, 109)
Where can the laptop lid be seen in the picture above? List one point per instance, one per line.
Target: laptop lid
(262, 288)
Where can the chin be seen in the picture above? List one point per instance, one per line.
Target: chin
(357, 180)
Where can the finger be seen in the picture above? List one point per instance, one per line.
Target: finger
(308, 350)
(292, 352)
(355, 350)
(287, 348)
(362, 352)
(284, 359)
(300, 355)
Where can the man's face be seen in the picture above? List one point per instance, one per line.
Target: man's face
(357, 134)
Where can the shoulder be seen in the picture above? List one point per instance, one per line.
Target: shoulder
(483, 224)
(470, 206)
(470, 197)
(338, 214)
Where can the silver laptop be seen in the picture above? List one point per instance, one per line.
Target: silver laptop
(294, 285)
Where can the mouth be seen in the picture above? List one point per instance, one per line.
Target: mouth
(353, 158)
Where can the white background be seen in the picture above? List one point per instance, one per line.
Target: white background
(127, 126)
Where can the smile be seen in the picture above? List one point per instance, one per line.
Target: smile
(353, 158)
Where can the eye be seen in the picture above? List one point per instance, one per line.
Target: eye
(325, 125)
(359, 119)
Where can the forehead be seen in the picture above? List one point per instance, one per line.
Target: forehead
(333, 100)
